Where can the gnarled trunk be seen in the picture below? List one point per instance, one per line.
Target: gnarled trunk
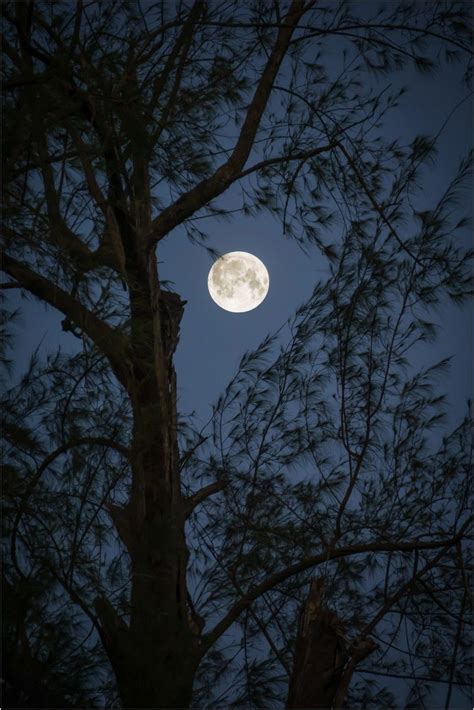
(324, 660)
(154, 653)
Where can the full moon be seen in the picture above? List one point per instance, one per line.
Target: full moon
(238, 281)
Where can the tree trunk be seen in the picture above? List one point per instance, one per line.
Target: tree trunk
(155, 652)
(157, 675)
(324, 661)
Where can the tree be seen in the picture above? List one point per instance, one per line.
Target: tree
(180, 559)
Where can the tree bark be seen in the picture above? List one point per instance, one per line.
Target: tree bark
(155, 652)
(324, 660)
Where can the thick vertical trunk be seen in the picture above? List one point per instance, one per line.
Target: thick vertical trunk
(154, 665)
(158, 651)
(324, 661)
(157, 676)
(320, 654)
(155, 653)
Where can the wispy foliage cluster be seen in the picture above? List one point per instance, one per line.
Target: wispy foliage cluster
(65, 428)
(337, 440)
(328, 451)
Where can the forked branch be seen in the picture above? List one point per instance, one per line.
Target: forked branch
(224, 176)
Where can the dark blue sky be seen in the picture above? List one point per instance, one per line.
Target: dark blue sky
(213, 340)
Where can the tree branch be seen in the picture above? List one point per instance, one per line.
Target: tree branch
(89, 175)
(192, 501)
(412, 677)
(182, 46)
(109, 341)
(359, 651)
(10, 284)
(376, 205)
(313, 561)
(99, 440)
(277, 160)
(224, 176)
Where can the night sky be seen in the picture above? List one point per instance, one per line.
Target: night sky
(213, 340)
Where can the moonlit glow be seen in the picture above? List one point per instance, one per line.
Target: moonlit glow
(238, 281)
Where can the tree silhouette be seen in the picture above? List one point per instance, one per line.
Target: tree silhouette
(152, 564)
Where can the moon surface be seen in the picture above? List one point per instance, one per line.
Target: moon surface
(238, 281)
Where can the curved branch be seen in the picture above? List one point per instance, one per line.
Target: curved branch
(309, 562)
(277, 160)
(193, 500)
(227, 173)
(108, 340)
(99, 440)
(341, 29)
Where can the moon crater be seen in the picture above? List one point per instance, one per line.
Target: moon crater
(238, 282)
